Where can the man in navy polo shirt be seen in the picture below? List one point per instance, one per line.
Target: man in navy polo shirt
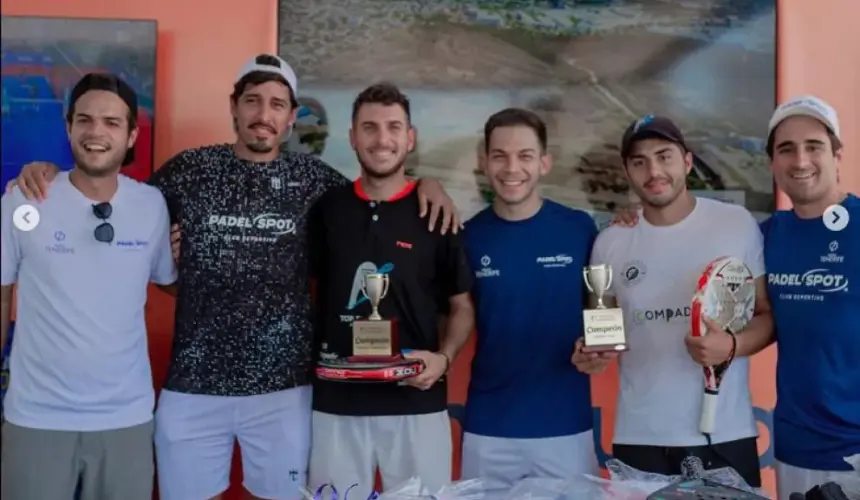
(812, 255)
(528, 411)
(373, 226)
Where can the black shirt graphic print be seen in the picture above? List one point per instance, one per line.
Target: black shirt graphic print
(242, 322)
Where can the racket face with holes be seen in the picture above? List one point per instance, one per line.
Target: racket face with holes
(724, 294)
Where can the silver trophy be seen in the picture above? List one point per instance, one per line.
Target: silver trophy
(598, 279)
(375, 289)
(603, 327)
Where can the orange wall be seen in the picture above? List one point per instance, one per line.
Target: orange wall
(202, 43)
(819, 53)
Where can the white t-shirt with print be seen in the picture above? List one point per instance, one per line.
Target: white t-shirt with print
(655, 273)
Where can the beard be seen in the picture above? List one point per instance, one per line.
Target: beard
(260, 147)
(676, 188)
(382, 174)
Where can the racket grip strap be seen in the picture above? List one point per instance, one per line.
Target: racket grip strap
(709, 412)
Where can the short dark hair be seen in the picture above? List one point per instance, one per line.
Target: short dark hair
(386, 94)
(515, 117)
(835, 143)
(109, 83)
(255, 78)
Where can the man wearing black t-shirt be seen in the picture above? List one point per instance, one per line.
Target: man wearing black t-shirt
(241, 356)
(372, 227)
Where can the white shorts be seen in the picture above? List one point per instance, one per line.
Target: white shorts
(195, 435)
(501, 462)
(347, 450)
(791, 479)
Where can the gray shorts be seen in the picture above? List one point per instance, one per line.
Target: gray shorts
(49, 465)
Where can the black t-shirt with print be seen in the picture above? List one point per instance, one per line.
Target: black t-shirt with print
(242, 322)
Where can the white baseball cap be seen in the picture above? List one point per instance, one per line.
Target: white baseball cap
(806, 105)
(269, 63)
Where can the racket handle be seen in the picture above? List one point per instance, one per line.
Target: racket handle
(709, 412)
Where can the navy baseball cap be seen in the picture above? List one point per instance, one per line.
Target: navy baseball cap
(651, 127)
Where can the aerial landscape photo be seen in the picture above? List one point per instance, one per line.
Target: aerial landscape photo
(588, 67)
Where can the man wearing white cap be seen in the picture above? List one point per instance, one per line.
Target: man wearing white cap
(241, 356)
(812, 256)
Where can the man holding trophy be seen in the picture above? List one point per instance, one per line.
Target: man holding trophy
(651, 271)
(528, 254)
(380, 398)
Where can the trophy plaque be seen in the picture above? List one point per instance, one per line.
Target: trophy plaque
(603, 326)
(376, 355)
(374, 340)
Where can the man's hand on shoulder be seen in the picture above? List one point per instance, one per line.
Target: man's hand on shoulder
(433, 202)
(626, 216)
(34, 179)
(175, 238)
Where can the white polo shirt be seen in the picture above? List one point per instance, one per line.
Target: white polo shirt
(655, 270)
(80, 360)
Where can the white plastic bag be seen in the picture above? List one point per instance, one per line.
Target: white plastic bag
(468, 489)
(583, 486)
(850, 481)
(413, 489)
(625, 483)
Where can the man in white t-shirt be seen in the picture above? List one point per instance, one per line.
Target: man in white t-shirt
(79, 406)
(656, 266)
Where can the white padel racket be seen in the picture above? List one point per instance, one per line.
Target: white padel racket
(724, 294)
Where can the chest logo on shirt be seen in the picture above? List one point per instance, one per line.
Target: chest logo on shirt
(268, 227)
(560, 260)
(59, 247)
(633, 272)
(832, 257)
(812, 284)
(132, 244)
(356, 296)
(486, 271)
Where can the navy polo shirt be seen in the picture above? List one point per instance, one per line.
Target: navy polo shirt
(529, 296)
(352, 235)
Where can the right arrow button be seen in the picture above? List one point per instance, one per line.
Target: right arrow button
(836, 218)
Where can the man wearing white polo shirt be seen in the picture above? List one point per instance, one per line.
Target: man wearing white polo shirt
(79, 409)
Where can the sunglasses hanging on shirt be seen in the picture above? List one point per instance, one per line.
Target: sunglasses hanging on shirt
(104, 232)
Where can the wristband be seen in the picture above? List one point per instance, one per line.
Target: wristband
(447, 361)
(734, 348)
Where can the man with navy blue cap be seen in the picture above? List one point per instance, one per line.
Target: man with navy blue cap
(658, 263)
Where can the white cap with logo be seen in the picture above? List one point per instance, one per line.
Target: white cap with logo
(806, 105)
(269, 63)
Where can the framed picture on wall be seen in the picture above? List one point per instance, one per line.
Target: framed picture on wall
(588, 67)
(43, 58)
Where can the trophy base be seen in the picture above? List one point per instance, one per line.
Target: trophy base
(605, 348)
(394, 369)
(395, 358)
(603, 330)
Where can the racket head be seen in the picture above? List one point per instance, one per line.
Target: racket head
(725, 294)
(344, 371)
